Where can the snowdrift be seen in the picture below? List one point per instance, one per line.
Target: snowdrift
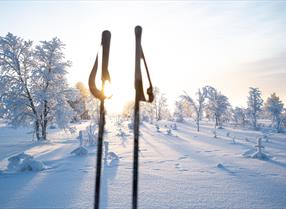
(80, 151)
(24, 162)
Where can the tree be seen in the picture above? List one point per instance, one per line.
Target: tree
(17, 65)
(162, 108)
(254, 104)
(283, 118)
(274, 106)
(50, 85)
(158, 109)
(216, 106)
(77, 104)
(33, 79)
(128, 109)
(239, 115)
(82, 101)
(197, 105)
(92, 106)
(179, 111)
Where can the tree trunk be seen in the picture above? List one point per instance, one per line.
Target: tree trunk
(215, 131)
(254, 122)
(45, 122)
(198, 125)
(44, 131)
(278, 122)
(37, 129)
(215, 126)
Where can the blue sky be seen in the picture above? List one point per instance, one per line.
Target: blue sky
(187, 44)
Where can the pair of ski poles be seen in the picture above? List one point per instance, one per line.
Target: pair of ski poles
(139, 96)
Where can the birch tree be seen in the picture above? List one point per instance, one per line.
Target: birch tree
(34, 83)
(196, 105)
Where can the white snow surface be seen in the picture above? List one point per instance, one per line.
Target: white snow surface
(23, 162)
(80, 151)
(188, 169)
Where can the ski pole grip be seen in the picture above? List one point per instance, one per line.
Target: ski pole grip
(105, 41)
(138, 55)
(138, 31)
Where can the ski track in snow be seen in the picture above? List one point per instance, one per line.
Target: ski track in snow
(184, 170)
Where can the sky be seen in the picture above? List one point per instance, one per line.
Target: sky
(230, 45)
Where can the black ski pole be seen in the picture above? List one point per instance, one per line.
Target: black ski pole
(99, 94)
(139, 96)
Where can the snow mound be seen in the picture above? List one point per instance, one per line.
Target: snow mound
(24, 162)
(260, 155)
(80, 151)
(121, 133)
(248, 153)
(112, 159)
(220, 165)
(252, 153)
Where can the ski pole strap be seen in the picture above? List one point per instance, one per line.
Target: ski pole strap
(150, 89)
(105, 44)
(139, 54)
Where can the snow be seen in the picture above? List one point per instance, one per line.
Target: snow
(23, 162)
(187, 169)
(80, 151)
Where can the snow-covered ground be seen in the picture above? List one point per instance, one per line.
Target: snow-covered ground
(184, 169)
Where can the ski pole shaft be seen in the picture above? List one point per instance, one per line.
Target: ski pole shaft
(99, 94)
(99, 155)
(135, 155)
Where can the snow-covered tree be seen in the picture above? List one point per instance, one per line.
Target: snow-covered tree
(226, 116)
(217, 104)
(33, 79)
(84, 94)
(254, 103)
(162, 108)
(274, 106)
(128, 109)
(76, 103)
(283, 118)
(80, 101)
(179, 111)
(16, 61)
(158, 109)
(197, 106)
(239, 115)
(50, 85)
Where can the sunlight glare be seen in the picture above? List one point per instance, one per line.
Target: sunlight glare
(107, 91)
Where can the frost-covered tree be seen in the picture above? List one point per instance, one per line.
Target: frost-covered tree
(274, 106)
(33, 79)
(128, 109)
(162, 108)
(84, 94)
(217, 104)
(239, 115)
(158, 109)
(227, 115)
(283, 118)
(254, 104)
(179, 111)
(17, 66)
(76, 103)
(197, 106)
(80, 101)
(50, 85)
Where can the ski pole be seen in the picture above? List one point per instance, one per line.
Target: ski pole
(99, 94)
(139, 96)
